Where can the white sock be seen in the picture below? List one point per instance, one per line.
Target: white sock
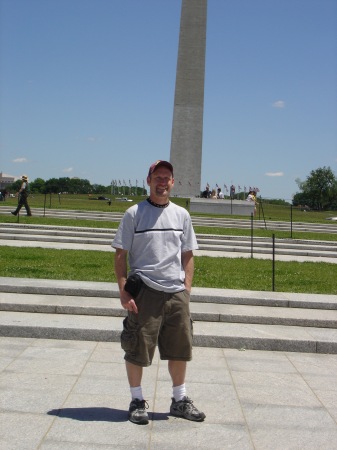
(136, 392)
(179, 392)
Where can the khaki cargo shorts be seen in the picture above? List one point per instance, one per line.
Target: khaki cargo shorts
(164, 319)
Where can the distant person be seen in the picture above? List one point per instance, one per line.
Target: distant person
(23, 197)
(220, 193)
(206, 193)
(213, 194)
(252, 198)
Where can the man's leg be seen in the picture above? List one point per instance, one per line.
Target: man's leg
(182, 406)
(29, 213)
(16, 212)
(177, 370)
(137, 413)
(134, 373)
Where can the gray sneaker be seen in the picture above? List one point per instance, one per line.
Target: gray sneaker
(185, 408)
(137, 413)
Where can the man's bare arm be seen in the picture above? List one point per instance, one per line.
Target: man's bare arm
(187, 260)
(121, 274)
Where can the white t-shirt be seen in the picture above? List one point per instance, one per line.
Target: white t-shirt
(155, 238)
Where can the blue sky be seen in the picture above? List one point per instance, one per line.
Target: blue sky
(87, 90)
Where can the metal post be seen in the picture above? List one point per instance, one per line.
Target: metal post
(291, 221)
(44, 206)
(264, 219)
(251, 234)
(273, 275)
(260, 209)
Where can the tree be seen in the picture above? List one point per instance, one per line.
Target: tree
(14, 187)
(37, 185)
(63, 184)
(68, 185)
(276, 201)
(319, 190)
(79, 186)
(52, 186)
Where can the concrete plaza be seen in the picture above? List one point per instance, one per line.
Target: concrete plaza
(72, 395)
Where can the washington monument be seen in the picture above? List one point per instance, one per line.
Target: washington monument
(186, 142)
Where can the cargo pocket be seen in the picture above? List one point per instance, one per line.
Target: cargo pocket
(128, 337)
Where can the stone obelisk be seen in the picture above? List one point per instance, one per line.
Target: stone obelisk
(186, 142)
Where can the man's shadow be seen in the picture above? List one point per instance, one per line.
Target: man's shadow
(97, 414)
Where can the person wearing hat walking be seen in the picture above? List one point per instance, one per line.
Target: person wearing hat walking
(23, 197)
(156, 239)
(252, 198)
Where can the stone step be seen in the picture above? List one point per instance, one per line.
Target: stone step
(209, 312)
(225, 222)
(222, 243)
(222, 318)
(206, 334)
(17, 228)
(199, 294)
(11, 230)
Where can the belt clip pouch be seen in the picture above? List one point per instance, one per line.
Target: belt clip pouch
(133, 285)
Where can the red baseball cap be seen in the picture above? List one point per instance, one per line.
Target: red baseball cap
(159, 163)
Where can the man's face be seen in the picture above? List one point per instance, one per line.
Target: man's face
(160, 182)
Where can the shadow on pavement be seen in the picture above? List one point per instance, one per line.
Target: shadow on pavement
(96, 414)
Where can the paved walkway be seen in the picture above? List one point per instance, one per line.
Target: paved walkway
(74, 395)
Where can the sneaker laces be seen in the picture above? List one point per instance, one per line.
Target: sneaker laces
(140, 404)
(189, 403)
(188, 406)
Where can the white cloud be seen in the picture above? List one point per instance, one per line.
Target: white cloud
(68, 169)
(279, 104)
(20, 160)
(274, 174)
(93, 139)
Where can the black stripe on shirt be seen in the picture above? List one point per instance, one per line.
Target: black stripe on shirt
(158, 229)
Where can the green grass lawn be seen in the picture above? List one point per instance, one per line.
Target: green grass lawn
(222, 273)
(227, 273)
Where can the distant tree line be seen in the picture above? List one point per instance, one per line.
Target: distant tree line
(71, 186)
(318, 191)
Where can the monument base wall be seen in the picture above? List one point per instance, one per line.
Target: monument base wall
(219, 206)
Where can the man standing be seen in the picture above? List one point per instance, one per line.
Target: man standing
(157, 238)
(23, 197)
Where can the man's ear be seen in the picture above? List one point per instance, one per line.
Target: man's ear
(148, 180)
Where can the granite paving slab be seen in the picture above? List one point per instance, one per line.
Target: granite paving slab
(252, 399)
